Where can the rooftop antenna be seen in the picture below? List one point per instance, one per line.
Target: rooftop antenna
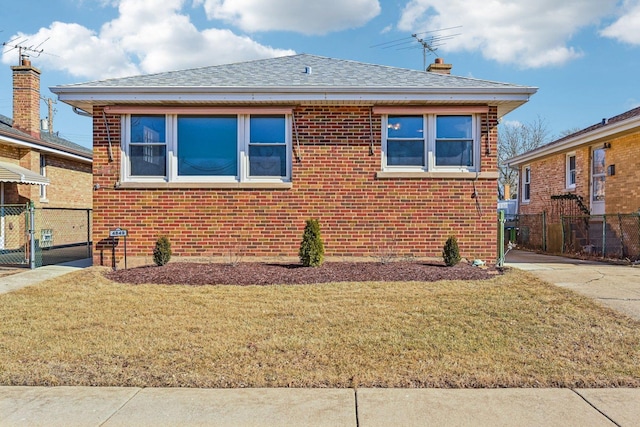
(18, 44)
(428, 44)
(425, 47)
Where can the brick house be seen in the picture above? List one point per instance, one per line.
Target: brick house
(598, 165)
(37, 166)
(235, 158)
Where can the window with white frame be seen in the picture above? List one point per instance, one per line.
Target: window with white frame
(571, 171)
(43, 172)
(207, 148)
(430, 142)
(526, 184)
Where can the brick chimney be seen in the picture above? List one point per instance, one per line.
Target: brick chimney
(26, 97)
(439, 67)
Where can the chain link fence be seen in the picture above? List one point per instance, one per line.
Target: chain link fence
(62, 235)
(14, 241)
(606, 236)
(59, 235)
(612, 236)
(527, 231)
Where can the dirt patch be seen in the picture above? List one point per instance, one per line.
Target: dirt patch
(253, 273)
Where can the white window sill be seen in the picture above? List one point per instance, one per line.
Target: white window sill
(204, 185)
(570, 189)
(445, 175)
(44, 200)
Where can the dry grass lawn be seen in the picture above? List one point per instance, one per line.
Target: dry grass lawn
(510, 331)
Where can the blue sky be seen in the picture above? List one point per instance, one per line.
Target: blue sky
(583, 55)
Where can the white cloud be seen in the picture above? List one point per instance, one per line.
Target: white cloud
(625, 29)
(386, 29)
(148, 36)
(511, 123)
(530, 34)
(306, 17)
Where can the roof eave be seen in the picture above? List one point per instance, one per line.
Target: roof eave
(134, 90)
(44, 146)
(85, 97)
(593, 137)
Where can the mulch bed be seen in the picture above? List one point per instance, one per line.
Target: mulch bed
(253, 273)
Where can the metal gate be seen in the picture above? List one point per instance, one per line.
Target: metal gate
(33, 237)
(61, 235)
(14, 232)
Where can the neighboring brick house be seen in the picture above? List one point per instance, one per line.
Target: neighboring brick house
(599, 165)
(234, 158)
(60, 169)
(37, 166)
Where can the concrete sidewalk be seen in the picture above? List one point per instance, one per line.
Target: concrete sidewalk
(27, 277)
(112, 406)
(616, 286)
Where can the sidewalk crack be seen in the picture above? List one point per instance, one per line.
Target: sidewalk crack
(121, 406)
(594, 407)
(355, 391)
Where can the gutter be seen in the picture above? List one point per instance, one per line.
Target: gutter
(606, 131)
(45, 146)
(104, 90)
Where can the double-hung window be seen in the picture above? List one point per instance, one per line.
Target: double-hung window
(571, 171)
(192, 148)
(526, 184)
(454, 141)
(147, 146)
(267, 146)
(406, 141)
(430, 142)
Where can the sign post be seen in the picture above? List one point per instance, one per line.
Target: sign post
(119, 232)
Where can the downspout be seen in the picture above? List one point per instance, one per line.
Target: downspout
(295, 131)
(109, 149)
(370, 133)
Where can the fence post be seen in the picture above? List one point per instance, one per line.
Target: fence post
(501, 222)
(544, 231)
(604, 235)
(32, 237)
(562, 232)
(622, 249)
(89, 254)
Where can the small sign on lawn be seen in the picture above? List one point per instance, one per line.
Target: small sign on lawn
(118, 232)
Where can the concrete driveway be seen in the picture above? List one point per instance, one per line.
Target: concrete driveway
(616, 286)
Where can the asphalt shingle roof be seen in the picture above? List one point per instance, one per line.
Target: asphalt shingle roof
(635, 112)
(51, 140)
(289, 71)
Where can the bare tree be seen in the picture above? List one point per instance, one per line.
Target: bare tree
(515, 139)
(568, 132)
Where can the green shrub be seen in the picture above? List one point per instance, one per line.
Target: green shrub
(311, 248)
(162, 251)
(451, 252)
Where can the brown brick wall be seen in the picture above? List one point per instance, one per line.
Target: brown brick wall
(622, 190)
(548, 178)
(71, 183)
(335, 182)
(26, 99)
